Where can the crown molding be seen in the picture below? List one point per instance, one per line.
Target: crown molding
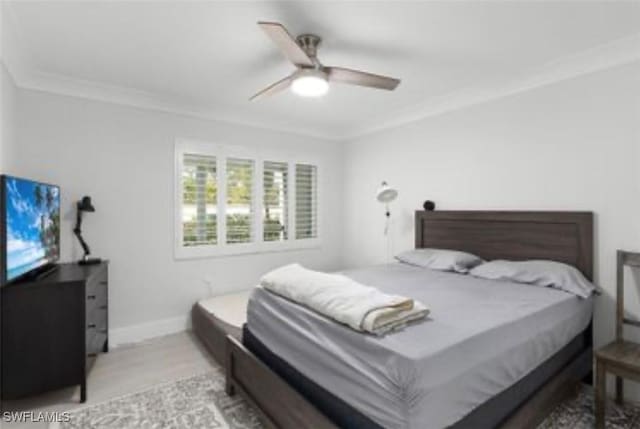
(21, 67)
(91, 90)
(609, 55)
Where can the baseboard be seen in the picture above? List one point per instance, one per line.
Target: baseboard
(145, 331)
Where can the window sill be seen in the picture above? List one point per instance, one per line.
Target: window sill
(223, 250)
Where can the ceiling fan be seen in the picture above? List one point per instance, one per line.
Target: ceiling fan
(311, 78)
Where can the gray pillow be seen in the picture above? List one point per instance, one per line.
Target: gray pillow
(440, 259)
(537, 272)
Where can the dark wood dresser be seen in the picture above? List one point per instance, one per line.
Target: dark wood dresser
(52, 328)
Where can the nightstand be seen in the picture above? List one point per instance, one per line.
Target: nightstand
(621, 358)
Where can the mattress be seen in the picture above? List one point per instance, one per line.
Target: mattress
(212, 319)
(481, 337)
(230, 308)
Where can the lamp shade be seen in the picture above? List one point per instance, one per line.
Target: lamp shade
(310, 83)
(85, 204)
(386, 193)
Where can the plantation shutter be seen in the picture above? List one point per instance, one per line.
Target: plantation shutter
(239, 205)
(199, 200)
(306, 201)
(275, 179)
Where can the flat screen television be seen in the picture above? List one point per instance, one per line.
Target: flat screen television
(30, 214)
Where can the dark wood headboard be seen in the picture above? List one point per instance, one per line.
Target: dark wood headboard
(516, 235)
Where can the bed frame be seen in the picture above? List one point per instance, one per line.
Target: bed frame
(560, 236)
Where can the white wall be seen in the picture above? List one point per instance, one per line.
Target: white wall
(8, 93)
(124, 158)
(7, 119)
(574, 145)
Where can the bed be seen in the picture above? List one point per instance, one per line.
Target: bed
(493, 354)
(214, 318)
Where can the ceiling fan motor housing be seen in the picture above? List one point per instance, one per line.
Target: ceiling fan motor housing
(309, 43)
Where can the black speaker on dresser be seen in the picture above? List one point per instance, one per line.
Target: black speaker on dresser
(52, 328)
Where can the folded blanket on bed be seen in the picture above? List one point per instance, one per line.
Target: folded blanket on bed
(361, 307)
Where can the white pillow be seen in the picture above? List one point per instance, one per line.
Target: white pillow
(440, 259)
(537, 272)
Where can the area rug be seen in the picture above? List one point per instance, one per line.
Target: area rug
(577, 413)
(199, 402)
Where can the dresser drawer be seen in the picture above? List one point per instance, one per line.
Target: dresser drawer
(97, 287)
(96, 339)
(96, 307)
(97, 317)
(96, 293)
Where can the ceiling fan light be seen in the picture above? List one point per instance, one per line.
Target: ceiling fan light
(310, 83)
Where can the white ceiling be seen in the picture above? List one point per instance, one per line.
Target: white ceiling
(211, 56)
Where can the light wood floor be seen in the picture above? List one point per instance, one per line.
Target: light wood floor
(126, 369)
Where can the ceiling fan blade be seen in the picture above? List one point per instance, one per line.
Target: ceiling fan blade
(286, 43)
(274, 88)
(356, 77)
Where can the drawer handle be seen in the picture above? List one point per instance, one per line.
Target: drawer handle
(104, 282)
(91, 297)
(104, 307)
(92, 354)
(92, 325)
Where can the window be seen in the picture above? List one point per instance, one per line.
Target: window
(230, 201)
(239, 207)
(199, 200)
(275, 214)
(306, 205)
